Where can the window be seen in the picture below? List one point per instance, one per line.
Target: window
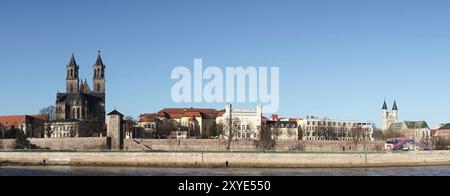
(98, 87)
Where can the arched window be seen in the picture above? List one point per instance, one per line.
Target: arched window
(83, 113)
(78, 113)
(71, 73)
(103, 73)
(73, 114)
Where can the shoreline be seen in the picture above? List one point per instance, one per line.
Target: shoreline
(225, 160)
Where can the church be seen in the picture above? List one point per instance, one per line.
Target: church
(79, 103)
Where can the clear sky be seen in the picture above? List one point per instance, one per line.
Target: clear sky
(337, 59)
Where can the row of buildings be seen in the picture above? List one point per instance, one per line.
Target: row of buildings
(81, 104)
(247, 124)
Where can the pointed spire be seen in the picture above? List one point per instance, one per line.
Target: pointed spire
(99, 61)
(72, 62)
(395, 108)
(385, 105)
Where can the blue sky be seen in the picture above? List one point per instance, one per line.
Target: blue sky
(337, 59)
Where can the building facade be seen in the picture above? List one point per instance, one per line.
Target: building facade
(388, 118)
(443, 132)
(29, 124)
(79, 103)
(340, 130)
(419, 130)
(190, 122)
(246, 122)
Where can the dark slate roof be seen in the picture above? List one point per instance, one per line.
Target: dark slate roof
(68, 97)
(395, 106)
(445, 127)
(409, 125)
(115, 112)
(384, 106)
(99, 61)
(72, 62)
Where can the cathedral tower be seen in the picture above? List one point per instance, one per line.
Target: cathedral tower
(72, 80)
(99, 75)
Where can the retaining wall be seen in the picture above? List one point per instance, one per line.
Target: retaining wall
(266, 160)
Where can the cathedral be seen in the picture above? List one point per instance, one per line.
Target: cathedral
(388, 118)
(79, 102)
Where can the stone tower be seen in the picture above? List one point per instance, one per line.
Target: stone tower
(99, 75)
(72, 80)
(387, 118)
(115, 130)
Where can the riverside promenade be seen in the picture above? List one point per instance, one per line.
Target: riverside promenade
(228, 159)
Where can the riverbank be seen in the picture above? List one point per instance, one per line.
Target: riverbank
(224, 159)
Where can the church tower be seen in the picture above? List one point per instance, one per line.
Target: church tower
(388, 118)
(99, 75)
(72, 80)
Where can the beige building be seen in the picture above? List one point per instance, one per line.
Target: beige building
(342, 130)
(443, 132)
(192, 122)
(419, 130)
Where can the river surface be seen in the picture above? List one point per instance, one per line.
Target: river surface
(143, 171)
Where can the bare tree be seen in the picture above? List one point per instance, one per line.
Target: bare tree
(129, 126)
(230, 130)
(265, 141)
(358, 134)
(391, 134)
(48, 115)
(164, 129)
(325, 130)
(90, 129)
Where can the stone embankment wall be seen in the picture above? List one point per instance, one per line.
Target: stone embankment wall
(94, 143)
(211, 159)
(197, 145)
(221, 145)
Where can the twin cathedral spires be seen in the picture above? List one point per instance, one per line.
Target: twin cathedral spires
(73, 81)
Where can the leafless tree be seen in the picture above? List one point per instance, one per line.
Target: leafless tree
(265, 141)
(129, 126)
(164, 129)
(358, 134)
(90, 129)
(325, 129)
(230, 130)
(391, 134)
(48, 115)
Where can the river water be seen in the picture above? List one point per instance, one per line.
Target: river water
(143, 171)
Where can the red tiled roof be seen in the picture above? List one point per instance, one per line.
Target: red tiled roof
(275, 117)
(16, 121)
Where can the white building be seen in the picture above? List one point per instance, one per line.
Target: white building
(341, 130)
(64, 129)
(246, 122)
